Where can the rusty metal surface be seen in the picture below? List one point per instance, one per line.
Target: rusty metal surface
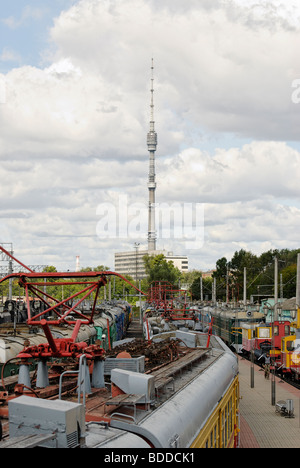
(156, 354)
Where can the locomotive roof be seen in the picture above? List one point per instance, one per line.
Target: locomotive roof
(237, 314)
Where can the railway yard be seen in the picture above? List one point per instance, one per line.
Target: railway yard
(178, 375)
(156, 309)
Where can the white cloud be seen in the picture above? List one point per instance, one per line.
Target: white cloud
(219, 68)
(28, 13)
(9, 55)
(250, 195)
(256, 170)
(62, 113)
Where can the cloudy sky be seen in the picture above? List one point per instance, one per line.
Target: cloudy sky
(75, 110)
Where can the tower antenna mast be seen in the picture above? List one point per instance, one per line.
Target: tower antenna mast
(152, 144)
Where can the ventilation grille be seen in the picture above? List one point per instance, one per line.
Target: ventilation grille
(131, 364)
(72, 439)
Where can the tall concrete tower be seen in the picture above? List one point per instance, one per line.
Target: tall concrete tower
(152, 143)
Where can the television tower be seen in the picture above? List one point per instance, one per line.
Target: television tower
(152, 143)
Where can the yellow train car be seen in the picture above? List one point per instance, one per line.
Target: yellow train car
(199, 408)
(290, 356)
(222, 428)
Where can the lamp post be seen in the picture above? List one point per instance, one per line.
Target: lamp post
(276, 309)
(252, 366)
(249, 313)
(295, 316)
(136, 246)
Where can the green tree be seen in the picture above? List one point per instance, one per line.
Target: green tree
(289, 276)
(221, 275)
(159, 269)
(260, 273)
(206, 285)
(240, 260)
(188, 277)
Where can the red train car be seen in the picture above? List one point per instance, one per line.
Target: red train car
(263, 338)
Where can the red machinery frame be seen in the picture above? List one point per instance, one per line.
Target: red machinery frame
(62, 347)
(162, 294)
(91, 283)
(95, 279)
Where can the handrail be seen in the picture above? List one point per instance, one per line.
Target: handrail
(81, 379)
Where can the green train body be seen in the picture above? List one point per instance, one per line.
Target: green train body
(227, 323)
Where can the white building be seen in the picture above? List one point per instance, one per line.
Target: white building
(131, 263)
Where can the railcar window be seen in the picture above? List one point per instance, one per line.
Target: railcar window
(290, 345)
(276, 330)
(264, 332)
(286, 330)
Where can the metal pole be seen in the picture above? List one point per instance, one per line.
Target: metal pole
(252, 368)
(298, 282)
(273, 386)
(252, 352)
(275, 288)
(227, 285)
(201, 288)
(214, 290)
(140, 301)
(15, 259)
(273, 390)
(10, 271)
(245, 287)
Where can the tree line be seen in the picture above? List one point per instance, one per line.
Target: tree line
(228, 274)
(117, 287)
(260, 274)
